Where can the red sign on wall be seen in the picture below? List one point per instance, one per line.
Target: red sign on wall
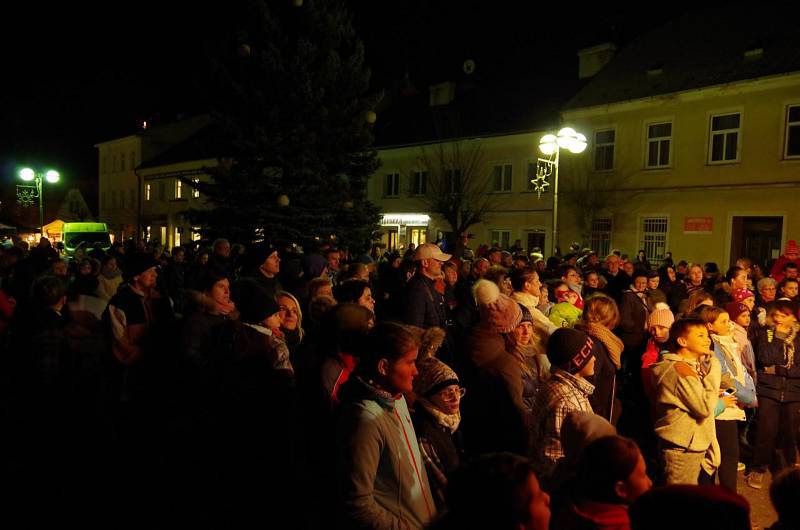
(698, 225)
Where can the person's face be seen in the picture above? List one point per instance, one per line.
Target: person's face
(721, 326)
(448, 399)
(564, 293)
(779, 317)
(110, 266)
(523, 333)
(768, 293)
(743, 319)
(544, 296)
(739, 281)
(538, 507)
(147, 279)
(640, 255)
(790, 289)
(520, 263)
(572, 277)
(86, 269)
(640, 283)
(396, 263)
(696, 341)
(540, 266)
(505, 286)
(433, 266)
(221, 292)
(652, 283)
(289, 313)
(450, 275)
(592, 280)
(637, 483)
(333, 261)
(400, 374)
(612, 264)
(588, 369)
(791, 272)
(178, 257)
(223, 249)
(272, 265)
(366, 300)
(750, 302)
(272, 321)
(362, 274)
(695, 275)
(534, 286)
(593, 260)
(481, 267)
(59, 268)
(681, 269)
(496, 258)
(660, 334)
(671, 274)
(628, 268)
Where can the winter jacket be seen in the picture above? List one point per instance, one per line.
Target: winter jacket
(441, 450)
(564, 315)
(590, 515)
(604, 399)
(735, 371)
(425, 306)
(382, 479)
(778, 376)
(633, 314)
(544, 326)
(684, 401)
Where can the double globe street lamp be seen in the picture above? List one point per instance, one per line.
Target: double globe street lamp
(551, 145)
(27, 174)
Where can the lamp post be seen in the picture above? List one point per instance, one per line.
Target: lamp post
(51, 176)
(551, 145)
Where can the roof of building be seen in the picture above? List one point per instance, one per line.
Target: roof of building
(700, 49)
(204, 144)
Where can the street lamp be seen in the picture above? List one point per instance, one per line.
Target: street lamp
(551, 145)
(51, 176)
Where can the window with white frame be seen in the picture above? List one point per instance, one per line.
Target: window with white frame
(501, 178)
(659, 142)
(724, 138)
(419, 182)
(452, 180)
(654, 238)
(501, 238)
(392, 185)
(792, 147)
(601, 235)
(147, 188)
(195, 191)
(604, 149)
(178, 189)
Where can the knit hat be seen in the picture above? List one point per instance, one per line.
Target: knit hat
(253, 301)
(313, 265)
(735, 309)
(526, 315)
(259, 253)
(137, 263)
(579, 429)
(740, 294)
(661, 317)
(433, 376)
(500, 312)
(792, 248)
(570, 349)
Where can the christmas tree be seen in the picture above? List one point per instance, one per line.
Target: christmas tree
(292, 111)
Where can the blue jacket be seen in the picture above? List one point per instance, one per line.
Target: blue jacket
(425, 306)
(745, 393)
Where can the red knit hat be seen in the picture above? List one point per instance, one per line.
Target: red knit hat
(741, 294)
(792, 248)
(735, 309)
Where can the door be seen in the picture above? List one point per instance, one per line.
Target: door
(535, 240)
(417, 235)
(757, 238)
(393, 242)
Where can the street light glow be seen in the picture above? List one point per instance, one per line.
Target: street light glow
(27, 174)
(52, 176)
(579, 144)
(547, 145)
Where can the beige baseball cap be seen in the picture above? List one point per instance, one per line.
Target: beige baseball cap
(430, 251)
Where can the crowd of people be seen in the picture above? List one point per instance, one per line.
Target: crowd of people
(491, 389)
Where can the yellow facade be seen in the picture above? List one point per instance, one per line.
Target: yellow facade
(704, 201)
(118, 184)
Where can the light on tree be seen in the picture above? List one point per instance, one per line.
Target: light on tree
(244, 50)
(370, 116)
(283, 200)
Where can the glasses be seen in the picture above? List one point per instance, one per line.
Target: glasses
(453, 395)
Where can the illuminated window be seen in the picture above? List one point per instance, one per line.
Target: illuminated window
(604, 150)
(501, 178)
(792, 147)
(147, 192)
(659, 140)
(178, 189)
(196, 233)
(501, 238)
(419, 183)
(392, 185)
(654, 238)
(724, 138)
(195, 191)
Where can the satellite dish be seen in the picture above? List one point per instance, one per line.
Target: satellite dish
(469, 66)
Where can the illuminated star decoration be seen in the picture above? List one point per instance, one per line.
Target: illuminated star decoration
(26, 195)
(540, 183)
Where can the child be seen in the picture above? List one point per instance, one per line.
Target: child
(572, 356)
(658, 325)
(726, 352)
(566, 312)
(686, 383)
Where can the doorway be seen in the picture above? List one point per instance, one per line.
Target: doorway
(758, 238)
(418, 236)
(534, 239)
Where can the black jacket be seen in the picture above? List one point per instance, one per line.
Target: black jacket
(775, 380)
(425, 306)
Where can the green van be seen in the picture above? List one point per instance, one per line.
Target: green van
(87, 234)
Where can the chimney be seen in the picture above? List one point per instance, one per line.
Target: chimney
(592, 60)
(442, 93)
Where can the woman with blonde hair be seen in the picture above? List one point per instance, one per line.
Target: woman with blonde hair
(600, 317)
(291, 319)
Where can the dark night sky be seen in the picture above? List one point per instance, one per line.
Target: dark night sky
(77, 74)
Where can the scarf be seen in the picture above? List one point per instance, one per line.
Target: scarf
(789, 341)
(448, 421)
(613, 344)
(224, 309)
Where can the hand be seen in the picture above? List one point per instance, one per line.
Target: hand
(730, 401)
